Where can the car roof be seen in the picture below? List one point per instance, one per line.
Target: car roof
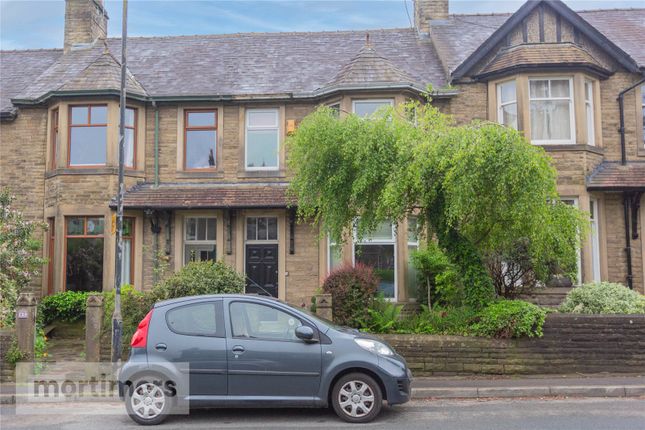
(216, 296)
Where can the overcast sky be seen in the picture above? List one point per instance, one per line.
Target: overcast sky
(39, 24)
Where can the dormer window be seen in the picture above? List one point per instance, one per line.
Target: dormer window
(87, 136)
(551, 110)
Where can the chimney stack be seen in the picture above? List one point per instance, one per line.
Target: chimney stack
(85, 23)
(426, 10)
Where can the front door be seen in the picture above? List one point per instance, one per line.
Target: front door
(266, 360)
(262, 269)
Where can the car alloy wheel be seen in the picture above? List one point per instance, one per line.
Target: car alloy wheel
(357, 398)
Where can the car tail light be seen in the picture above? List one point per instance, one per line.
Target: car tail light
(140, 337)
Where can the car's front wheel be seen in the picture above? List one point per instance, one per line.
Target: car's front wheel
(357, 398)
(146, 401)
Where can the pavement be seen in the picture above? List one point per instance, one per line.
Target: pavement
(482, 387)
(442, 414)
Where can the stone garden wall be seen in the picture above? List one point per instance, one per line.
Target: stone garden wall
(571, 343)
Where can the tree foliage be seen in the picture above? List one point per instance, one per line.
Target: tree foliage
(19, 255)
(481, 188)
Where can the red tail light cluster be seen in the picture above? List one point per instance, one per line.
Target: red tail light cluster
(140, 337)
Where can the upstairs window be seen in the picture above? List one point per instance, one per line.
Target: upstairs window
(589, 114)
(262, 139)
(367, 108)
(200, 139)
(551, 111)
(55, 139)
(130, 129)
(507, 104)
(87, 135)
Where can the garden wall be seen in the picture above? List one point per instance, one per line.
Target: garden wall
(571, 343)
(6, 369)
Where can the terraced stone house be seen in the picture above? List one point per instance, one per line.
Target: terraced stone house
(207, 118)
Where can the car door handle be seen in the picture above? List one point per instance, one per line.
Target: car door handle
(161, 347)
(238, 349)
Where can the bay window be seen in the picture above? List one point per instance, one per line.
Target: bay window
(262, 139)
(643, 111)
(200, 237)
(200, 139)
(589, 113)
(334, 255)
(379, 252)
(84, 253)
(127, 269)
(413, 246)
(87, 135)
(573, 201)
(367, 108)
(595, 241)
(551, 110)
(54, 139)
(507, 104)
(130, 135)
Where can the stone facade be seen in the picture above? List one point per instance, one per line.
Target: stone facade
(48, 188)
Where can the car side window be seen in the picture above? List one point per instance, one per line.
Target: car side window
(199, 319)
(253, 320)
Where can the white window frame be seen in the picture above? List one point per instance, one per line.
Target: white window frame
(359, 101)
(595, 239)
(500, 105)
(575, 204)
(196, 241)
(330, 243)
(589, 112)
(267, 241)
(393, 242)
(248, 127)
(572, 122)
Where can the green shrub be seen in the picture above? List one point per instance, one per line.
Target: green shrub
(383, 316)
(603, 298)
(436, 273)
(201, 277)
(438, 320)
(509, 318)
(134, 307)
(68, 306)
(352, 290)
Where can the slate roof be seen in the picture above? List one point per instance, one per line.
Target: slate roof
(613, 176)
(18, 69)
(457, 38)
(206, 196)
(541, 55)
(277, 64)
(368, 67)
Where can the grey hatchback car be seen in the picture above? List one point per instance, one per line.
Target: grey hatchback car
(253, 351)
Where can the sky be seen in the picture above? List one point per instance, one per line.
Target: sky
(29, 24)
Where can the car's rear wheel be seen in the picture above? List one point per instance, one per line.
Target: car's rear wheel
(146, 401)
(357, 398)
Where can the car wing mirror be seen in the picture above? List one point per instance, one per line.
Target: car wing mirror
(306, 333)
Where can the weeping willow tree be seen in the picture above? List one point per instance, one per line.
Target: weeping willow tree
(481, 188)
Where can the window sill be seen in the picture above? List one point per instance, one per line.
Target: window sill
(181, 174)
(575, 148)
(94, 171)
(640, 152)
(261, 174)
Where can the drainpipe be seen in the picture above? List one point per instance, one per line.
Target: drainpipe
(626, 195)
(628, 245)
(154, 104)
(621, 108)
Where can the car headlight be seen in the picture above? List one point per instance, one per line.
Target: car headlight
(374, 346)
